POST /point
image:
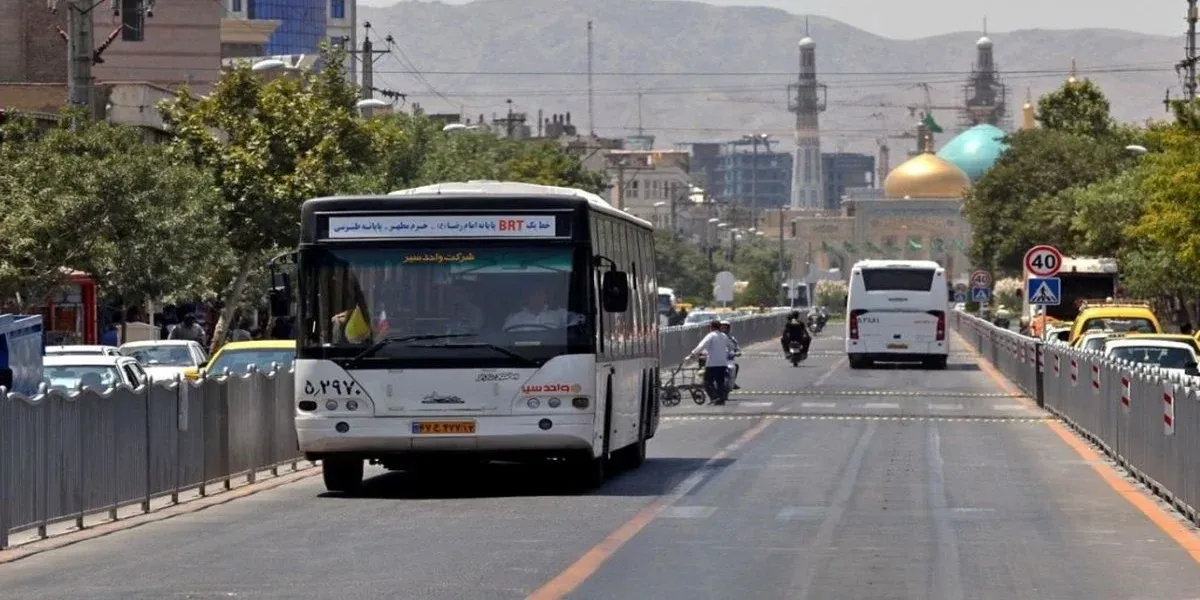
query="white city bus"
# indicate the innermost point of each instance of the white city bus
(475, 321)
(896, 312)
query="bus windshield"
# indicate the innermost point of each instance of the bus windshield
(461, 301)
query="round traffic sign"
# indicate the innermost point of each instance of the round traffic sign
(1043, 261)
(960, 287)
(981, 279)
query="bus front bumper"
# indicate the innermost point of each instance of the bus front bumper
(390, 435)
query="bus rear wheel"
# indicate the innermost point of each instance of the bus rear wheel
(342, 474)
(937, 364)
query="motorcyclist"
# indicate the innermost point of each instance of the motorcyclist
(734, 352)
(795, 330)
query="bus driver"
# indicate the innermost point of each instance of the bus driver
(536, 313)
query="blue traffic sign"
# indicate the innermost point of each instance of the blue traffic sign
(981, 294)
(1044, 291)
(960, 297)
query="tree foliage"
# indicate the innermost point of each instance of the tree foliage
(102, 201)
(1017, 203)
(1078, 107)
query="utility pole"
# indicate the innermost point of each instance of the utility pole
(1187, 66)
(369, 55)
(80, 55)
(590, 90)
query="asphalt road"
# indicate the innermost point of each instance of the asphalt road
(813, 482)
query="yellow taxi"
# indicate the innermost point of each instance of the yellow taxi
(1114, 315)
(238, 356)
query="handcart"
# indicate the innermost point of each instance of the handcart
(684, 379)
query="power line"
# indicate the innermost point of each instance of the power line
(1130, 69)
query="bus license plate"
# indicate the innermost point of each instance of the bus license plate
(897, 346)
(443, 427)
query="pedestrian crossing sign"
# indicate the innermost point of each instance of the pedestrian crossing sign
(1044, 291)
(979, 295)
(960, 297)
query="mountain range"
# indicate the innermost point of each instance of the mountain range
(710, 73)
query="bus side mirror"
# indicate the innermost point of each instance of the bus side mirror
(614, 291)
(1191, 368)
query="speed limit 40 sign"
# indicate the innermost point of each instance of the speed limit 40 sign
(981, 279)
(1043, 261)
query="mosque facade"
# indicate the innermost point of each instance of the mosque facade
(916, 214)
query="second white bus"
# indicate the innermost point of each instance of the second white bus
(896, 312)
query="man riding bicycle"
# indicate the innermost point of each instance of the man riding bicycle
(795, 330)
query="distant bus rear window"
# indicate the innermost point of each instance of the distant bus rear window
(898, 280)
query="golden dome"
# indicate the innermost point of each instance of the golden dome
(926, 176)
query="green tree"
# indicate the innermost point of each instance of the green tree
(1077, 107)
(682, 267)
(1016, 204)
(1104, 211)
(269, 145)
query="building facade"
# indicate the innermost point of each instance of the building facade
(180, 43)
(302, 23)
(753, 180)
(844, 170)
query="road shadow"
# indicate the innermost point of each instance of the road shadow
(657, 476)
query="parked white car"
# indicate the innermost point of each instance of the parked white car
(164, 360)
(82, 349)
(1177, 357)
(1093, 341)
(94, 371)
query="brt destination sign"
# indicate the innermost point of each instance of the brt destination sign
(433, 226)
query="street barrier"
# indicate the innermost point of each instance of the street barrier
(67, 456)
(1145, 418)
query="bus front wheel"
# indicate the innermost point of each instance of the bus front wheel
(342, 474)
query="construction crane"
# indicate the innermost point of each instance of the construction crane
(883, 166)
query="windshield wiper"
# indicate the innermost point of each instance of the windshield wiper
(377, 346)
(500, 349)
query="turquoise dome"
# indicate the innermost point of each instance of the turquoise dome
(975, 150)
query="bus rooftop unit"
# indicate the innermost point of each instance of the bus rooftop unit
(475, 321)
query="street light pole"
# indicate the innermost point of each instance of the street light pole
(783, 278)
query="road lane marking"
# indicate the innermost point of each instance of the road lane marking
(947, 581)
(1165, 521)
(881, 405)
(574, 575)
(808, 563)
(858, 417)
(935, 406)
(832, 369)
(757, 404)
(818, 404)
(687, 512)
(864, 393)
(1009, 407)
(801, 513)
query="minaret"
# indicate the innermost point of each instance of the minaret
(1071, 78)
(985, 93)
(1028, 119)
(807, 188)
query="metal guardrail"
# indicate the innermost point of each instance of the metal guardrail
(1144, 418)
(66, 456)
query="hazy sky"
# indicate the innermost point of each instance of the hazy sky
(920, 18)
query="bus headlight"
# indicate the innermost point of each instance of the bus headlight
(352, 405)
(533, 403)
(331, 405)
(554, 402)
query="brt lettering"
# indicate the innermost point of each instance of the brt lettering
(511, 225)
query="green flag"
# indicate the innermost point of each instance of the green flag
(873, 248)
(848, 247)
(938, 245)
(930, 124)
(826, 247)
(914, 244)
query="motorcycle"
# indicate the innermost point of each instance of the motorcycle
(796, 353)
(815, 325)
